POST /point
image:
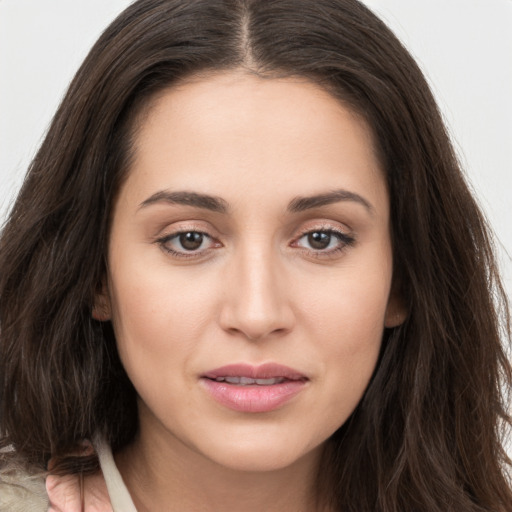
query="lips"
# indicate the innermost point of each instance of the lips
(253, 389)
(264, 371)
(247, 381)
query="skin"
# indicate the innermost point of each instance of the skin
(255, 291)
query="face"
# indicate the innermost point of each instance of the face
(249, 268)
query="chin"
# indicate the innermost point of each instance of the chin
(262, 455)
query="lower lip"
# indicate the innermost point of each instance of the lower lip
(253, 398)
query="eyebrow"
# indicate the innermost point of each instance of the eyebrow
(219, 205)
(300, 204)
(207, 202)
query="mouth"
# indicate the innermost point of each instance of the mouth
(247, 381)
(253, 389)
(246, 374)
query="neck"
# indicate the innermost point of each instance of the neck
(164, 474)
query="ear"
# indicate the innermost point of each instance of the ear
(101, 309)
(396, 312)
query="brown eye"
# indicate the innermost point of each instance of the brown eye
(187, 243)
(324, 242)
(191, 241)
(319, 240)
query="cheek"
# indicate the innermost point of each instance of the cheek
(351, 338)
(346, 320)
(151, 302)
(156, 330)
(157, 319)
(349, 307)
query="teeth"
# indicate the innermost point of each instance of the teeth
(269, 382)
(247, 381)
(233, 380)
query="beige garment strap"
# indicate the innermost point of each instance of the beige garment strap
(119, 495)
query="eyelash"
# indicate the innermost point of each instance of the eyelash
(183, 255)
(345, 241)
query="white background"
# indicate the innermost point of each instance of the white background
(464, 47)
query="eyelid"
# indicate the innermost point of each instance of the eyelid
(346, 237)
(193, 254)
(324, 225)
(176, 229)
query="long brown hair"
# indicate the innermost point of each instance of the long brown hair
(426, 435)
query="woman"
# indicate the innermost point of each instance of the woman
(245, 266)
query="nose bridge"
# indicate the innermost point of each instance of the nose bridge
(256, 303)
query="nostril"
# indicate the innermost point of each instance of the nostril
(255, 334)
(256, 305)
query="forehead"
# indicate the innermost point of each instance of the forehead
(234, 127)
(202, 97)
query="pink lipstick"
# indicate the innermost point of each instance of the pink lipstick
(248, 388)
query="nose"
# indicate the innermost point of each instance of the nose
(256, 304)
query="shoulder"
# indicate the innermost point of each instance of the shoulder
(22, 490)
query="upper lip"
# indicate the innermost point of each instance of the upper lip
(263, 371)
